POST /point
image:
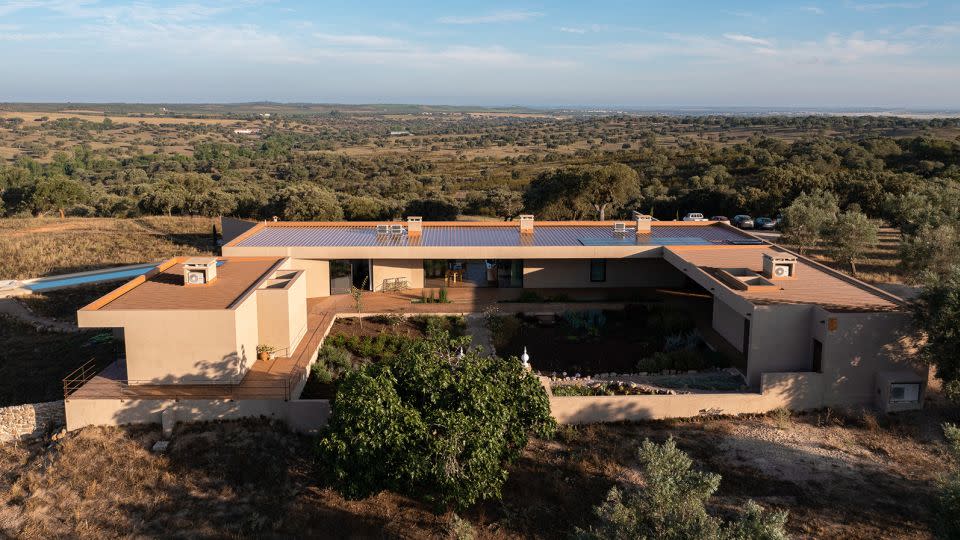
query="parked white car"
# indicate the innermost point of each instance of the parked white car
(694, 216)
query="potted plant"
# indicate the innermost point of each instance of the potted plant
(265, 352)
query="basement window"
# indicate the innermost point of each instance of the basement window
(598, 270)
(904, 392)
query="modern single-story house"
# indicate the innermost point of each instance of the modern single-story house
(191, 328)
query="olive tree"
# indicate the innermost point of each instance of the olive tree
(805, 220)
(671, 504)
(853, 233)
(432, 423)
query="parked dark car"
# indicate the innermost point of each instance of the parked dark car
(743, 221)
(723, 219)
(765, 223)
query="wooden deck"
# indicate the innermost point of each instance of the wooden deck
(282, 377)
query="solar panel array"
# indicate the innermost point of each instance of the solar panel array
(495, 236)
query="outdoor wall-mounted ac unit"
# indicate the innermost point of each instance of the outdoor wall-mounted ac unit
(199, 270)
(779, 267)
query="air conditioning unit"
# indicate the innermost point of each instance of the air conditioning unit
(779, 266)
(199, 270)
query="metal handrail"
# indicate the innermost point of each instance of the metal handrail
(78, 377)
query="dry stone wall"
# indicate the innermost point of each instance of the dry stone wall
(30, 420)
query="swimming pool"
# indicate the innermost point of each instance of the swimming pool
(109, 274)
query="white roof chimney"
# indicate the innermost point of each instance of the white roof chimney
(526, 224)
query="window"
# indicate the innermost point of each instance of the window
(598, 270)
(904, 392)
(817, 356)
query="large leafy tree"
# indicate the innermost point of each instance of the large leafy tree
(304, 201)
(672, 505)
(432, 423)
(805, 220)
(937, 314)
(575, 192)
(56, 193)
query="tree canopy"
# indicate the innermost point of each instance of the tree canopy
(432, 423)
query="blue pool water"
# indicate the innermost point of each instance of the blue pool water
(105, 275)
(115, 275)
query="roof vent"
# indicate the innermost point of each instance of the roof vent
(199, 270)
(780, 266)
(526, 224)
(414, 225)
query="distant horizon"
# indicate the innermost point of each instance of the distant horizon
(608, 54)
(543, 107)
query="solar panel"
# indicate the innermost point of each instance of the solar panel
(681, 241)
(607, 241)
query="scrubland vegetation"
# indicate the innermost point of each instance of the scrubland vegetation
(425, 441)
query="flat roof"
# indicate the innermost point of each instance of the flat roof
(813, 284)
(489, 234)
(163, 288)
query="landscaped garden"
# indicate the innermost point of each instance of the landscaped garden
(643, 338)
(354, 342)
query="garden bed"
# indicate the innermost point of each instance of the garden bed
(641, 338)
(351, 344)
(725, 380)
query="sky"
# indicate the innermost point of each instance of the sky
(837, 53)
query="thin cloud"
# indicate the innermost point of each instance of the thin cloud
(749, 40)
(359, 40)
(813, 9)
(879, 6)
(496, 17)
(571, 30)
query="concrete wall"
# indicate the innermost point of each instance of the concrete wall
(301, 415)
(169, 346)
(728, 322)
(410, 269)
(282, 312)
(231, 228)
(317, 274)
(795, 391)
(31, 420)
(780, 340)
(561, 273)
(862, 346)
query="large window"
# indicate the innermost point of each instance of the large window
(598, 270)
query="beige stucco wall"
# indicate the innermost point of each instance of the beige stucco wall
(728, 322)
(795, 391)
(863, 345)
(780, 340)
(317, 273)
(560, 273)
(169, 346)
(409, 269)
(282, 314)
(301, 415)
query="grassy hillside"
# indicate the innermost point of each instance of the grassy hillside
(35, 247)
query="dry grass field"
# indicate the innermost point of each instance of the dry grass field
(35, 247)
(840, 476)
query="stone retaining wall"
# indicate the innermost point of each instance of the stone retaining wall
(30, 420)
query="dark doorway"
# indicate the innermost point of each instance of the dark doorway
(817, 356)
(746, 339)
(347, 273)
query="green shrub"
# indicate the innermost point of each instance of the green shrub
(430, 425)
(671, 504)
(562, 390)
(948, 498)
(529, 297)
